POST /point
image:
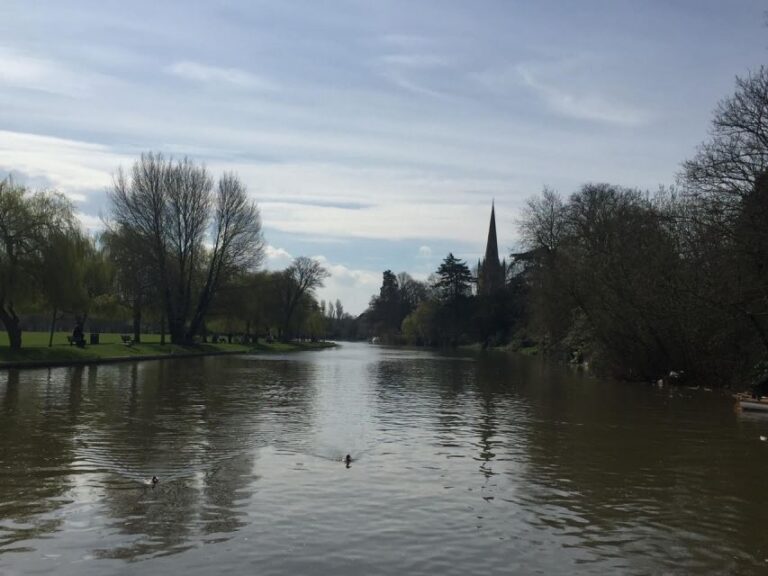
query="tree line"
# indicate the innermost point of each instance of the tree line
(444, 310)
(181, 252)
(640, 284)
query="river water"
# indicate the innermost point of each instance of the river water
(491, 464)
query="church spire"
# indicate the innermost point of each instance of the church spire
(492, 248)
(490, 272)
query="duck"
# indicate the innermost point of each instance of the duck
(348, 459)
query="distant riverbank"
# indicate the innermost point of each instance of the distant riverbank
(35, 353)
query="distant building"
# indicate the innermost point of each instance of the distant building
(491, 273)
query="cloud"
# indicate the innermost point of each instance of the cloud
(354, 287)
(205, 74)
(91, 223)
(580, 86)
(276, 258)
(413, 71)
(584, 106)
(425, 252)
(407, 41)
(414, 60)
(395, 220)
(72, 167)
(272, 252)
(21, 71)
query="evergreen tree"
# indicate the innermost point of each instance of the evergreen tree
(455, 279)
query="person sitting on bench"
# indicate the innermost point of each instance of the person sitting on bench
(77, 336)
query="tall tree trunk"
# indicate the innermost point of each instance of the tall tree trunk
(176, 329)
(759, 329)
(12, 326)
(53, 327)
(162, 328)
(137, 321)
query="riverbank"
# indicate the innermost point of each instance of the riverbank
(36, 353)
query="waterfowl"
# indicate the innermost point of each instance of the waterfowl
(348, 459)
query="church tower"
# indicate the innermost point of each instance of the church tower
(491, 272)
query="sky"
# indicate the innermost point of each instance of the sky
(374, 134)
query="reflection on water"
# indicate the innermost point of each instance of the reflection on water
(461, 464)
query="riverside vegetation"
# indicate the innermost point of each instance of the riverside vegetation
(639, 284)
(179, 257)
(112, 347)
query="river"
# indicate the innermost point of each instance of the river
(462, 464)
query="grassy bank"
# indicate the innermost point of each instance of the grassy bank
(36, 352)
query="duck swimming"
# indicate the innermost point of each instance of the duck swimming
(347, 460)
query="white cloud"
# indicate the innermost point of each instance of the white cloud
(575, 87)
(274, 253)
(276, 258)
(326, 202)
(90, 222)
(20, 70)
(396, 220)
(425, 252)
(413, 71)
(354, 287)
(72, 167)
(586, 105)
(203, 73)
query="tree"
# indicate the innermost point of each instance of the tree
(412, 292)
(194, 238)
(728, 166)
(622, 264)
(604, 273)
(238, 244)
(421, 327)
(135, 286)
(62, 275)
(542, 223)
(29, 223)
(454, 279)
(386, 308)
(301, 278)
(726, 184)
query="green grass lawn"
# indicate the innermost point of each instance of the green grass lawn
(35, 348)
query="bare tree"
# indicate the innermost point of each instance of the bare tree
(542, 224)
(728, 166)
(726, 184)
(135, 282)
(171, 209)
(299, 279)
(237, 242)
